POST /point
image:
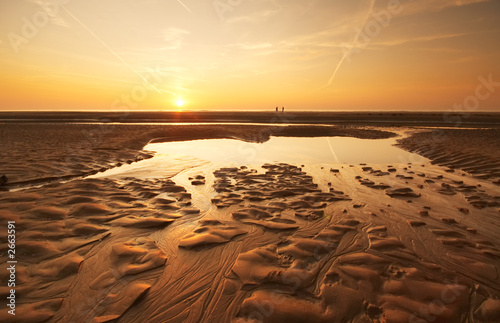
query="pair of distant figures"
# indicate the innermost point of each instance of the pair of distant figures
(282, 109)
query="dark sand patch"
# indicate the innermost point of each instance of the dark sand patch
(476, 151)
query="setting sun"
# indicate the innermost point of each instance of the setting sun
(179, 102)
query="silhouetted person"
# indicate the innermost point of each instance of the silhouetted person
(276, 109)
(282, 109)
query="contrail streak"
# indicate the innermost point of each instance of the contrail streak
(333, 152)
(184, 6)
(114, 53)
(348, 51)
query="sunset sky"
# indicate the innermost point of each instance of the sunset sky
(249, 54)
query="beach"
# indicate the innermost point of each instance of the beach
(108, 230)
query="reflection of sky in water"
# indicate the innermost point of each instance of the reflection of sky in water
(291, 150)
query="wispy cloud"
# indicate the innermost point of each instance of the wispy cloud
(59, 21)
(174, 38)
(421, 6)
(252, 46)
(254, 17)
(257, 11)
(420, 39)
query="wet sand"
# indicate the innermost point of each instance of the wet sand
(253, 243)
(44, 152)
(362, 118)
(476, 151)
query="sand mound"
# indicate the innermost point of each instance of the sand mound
(210, 232)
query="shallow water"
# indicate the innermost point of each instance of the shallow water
(173, 157)
(319, 150)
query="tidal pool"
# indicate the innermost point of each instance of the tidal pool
(317, 150)
(172, 158)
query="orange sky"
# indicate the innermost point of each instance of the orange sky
(250, 54)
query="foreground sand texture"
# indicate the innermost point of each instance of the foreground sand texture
(259, 243)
